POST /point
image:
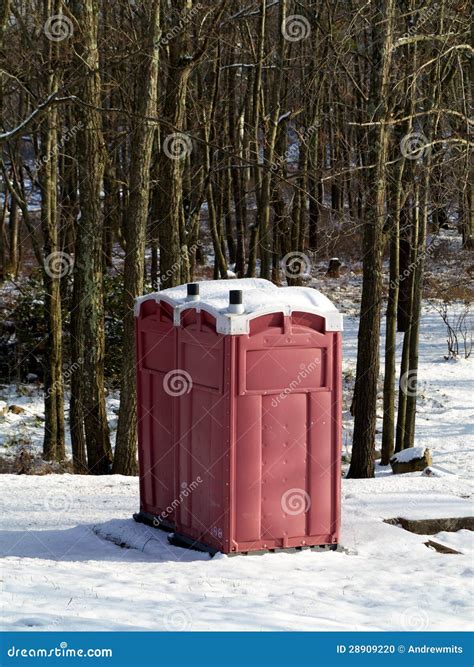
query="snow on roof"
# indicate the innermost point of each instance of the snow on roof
(209, 289)
(259, 297)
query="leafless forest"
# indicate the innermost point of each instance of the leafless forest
(147, 144)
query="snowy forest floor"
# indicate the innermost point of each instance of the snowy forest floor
(74, 559)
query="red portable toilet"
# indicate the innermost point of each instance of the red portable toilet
(247, 405)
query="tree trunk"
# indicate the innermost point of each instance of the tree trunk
(263, 212)
(412, 383)
(56, 264)
(88, 293)
(402, 397)
(125, 461)
(171, 212)
(236, 175)
(388, 430)
(255, 104)
(365, 392)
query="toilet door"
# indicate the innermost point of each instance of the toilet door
(284, 444)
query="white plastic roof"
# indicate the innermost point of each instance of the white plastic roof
(259, 296)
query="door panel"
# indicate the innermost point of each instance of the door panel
(284, 459)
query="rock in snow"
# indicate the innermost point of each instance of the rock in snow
(16, 409)
(412, 459)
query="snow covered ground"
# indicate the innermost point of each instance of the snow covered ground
(73, 558)
(61, 571)
(25, 429)
(445, 401)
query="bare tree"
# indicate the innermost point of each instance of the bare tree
(365, 392)
(87, 305)
(135, 228)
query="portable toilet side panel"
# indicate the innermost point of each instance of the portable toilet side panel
(202, 425)
(156, 361)
(287, 421)
(163, 383)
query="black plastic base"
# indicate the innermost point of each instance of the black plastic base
(288, 550)
(178, 540)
